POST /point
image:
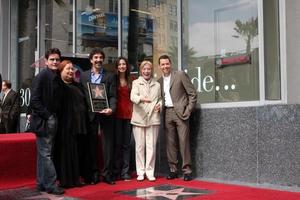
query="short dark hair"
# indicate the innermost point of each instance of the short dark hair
(7, 83)
(96, 51)
(52, 51)
(164, 57)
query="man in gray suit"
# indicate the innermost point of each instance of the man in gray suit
(180, 98)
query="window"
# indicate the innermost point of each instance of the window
(272, 55)
(173, 10)
(113, 6)
(140, 41)
(27, 51)
(97, 26)
(56, 23)
(220, 49)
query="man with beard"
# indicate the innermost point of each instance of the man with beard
(102, 119)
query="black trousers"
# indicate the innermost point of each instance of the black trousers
(123, 132)
(106, 124)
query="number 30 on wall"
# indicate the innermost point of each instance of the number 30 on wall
(25, 96)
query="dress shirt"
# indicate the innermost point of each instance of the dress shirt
(4, 95)
(168, 99)
(96, 78)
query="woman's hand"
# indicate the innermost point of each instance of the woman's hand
(145, 100)
(157, 108)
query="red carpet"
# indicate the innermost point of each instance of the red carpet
(217, 191)
(18, 164)
(156, 191)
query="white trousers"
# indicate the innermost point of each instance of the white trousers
(145, 143)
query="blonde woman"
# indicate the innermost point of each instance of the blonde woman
(146, 98)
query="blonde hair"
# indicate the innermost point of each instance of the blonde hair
(145, 62)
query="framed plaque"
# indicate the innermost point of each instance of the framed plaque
(98, 96)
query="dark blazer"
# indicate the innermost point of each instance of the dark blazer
(110, 81)
(45, 99)
(183, 94)
(10, 111)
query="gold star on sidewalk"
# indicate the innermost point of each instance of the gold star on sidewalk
(169, 194)
(45, 195)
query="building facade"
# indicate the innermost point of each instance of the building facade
(241, 55)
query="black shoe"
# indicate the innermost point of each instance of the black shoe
(80, 184)
(108, 180)
(172, 175)
(115, 177)
(187, 177)
(126, 177)
(40, 188)
(95, 179)
(56, 191)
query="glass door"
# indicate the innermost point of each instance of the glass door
(149, 29)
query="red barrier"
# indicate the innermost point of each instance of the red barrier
(17, 160)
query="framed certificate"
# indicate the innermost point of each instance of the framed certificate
(98, 96)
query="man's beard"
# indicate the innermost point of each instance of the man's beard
(98, 65)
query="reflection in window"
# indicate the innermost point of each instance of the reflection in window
(27, 42)
(220, 49)
(271, 45)
(97, 26)
(56, 23)
(147, 33)
(113, 6)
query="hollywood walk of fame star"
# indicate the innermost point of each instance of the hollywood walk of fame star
(44, 195)
(98, 92)
(169, 194)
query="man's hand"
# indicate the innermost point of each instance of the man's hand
(106, 111)
(52, 124)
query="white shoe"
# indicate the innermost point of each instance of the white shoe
(140, 178)
(151, 178)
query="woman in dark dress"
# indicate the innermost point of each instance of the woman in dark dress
(72, 129)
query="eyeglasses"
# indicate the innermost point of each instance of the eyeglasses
(54, 59)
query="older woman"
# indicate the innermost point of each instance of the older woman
(146, 98)
(72, 128)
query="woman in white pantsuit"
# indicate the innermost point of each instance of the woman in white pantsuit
(146, 98)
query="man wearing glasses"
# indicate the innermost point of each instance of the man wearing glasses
(45, 100)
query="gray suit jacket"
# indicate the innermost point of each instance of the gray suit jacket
(183, 94)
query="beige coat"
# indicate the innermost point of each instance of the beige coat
(143, 113)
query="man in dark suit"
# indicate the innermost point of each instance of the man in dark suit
(9, 109)
(180, 98)
(45, 104)
(102, 119)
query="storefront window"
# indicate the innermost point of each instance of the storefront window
(97, 26)
(27, 43)
(272, 47)
(220, 49)
(56, 26)
(146, 32)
